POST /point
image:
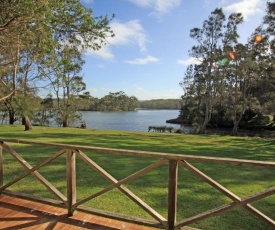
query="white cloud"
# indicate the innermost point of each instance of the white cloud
(105, 52)
(143, 61)
(158, 6)
(189, 61)
(246, 7)
(127, 33)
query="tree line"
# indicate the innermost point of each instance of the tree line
(117, 101)
(233, 84)
(160, 104)
(45, 110)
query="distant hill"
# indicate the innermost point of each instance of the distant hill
(160, 104)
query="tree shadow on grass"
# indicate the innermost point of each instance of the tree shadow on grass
(153, 186)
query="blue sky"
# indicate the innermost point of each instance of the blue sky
(149, 54)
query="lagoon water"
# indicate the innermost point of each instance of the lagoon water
(138, 120)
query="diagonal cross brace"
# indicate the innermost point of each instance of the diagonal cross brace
(223, 208)
(226, 192)
(32, 170)
(122, 188)
(125, 180)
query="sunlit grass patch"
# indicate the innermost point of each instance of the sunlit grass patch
(194, 195)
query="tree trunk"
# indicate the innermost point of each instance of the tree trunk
(207, 118)
(11, 112)
(65, 123)
(203, 127)
(28, 125)
(11, 119)
(235, 128)
(236, 121)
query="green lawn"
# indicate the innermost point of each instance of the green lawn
(194, 196)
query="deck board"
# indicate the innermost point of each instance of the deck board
(18, 213)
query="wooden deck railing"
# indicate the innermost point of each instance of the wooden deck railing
(173, 160)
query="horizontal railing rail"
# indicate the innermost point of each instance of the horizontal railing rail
(173, 161)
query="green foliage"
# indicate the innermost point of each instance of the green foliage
(42, 39)
(45, 111)
(232, 78)
(203, 86)
(160, 104)
(117, 101)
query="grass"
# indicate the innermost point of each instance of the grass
(194, 196)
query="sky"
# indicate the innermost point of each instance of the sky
(148, 56)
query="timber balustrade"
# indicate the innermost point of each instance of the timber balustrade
(173, 162)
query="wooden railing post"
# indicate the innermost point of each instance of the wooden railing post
(172, 194)
(71, 181)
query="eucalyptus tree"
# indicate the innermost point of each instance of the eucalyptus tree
(253, 80)
(261, 50)
(267, 58)
(75, 30)
(20, 26)
(242, 83)
(65, 82)
(41, 26)
(191, 112)
(22, 102)
(20, 40)
(21, 32)
(214, 40)
(45, 110)
(18, 78)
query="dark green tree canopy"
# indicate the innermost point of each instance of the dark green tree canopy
(234, 82)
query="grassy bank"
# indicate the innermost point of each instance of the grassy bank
(194, 196)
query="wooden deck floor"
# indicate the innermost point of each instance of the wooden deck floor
(17, 213)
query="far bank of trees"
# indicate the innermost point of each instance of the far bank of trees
(160, 104)
(234, 84)
(47, 110)
(117, 101)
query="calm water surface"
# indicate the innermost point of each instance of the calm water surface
(138, 120)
